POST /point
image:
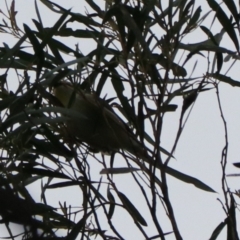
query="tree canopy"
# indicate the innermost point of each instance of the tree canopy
(139, 63)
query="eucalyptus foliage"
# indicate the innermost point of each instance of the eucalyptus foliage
(139, 64)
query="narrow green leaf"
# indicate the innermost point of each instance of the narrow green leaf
(58, 58)
(207, 45)
(166, 63)
(131, 24)
(79, 33)
(185, 11)
(38, 50)
(49, 5)
(131, 209)
(237, 165)
(38, 26)
(101, 82)
(225, 21)
(112, 203)
(217, 230)
(82, 60)
(188, 179)
(30, 180)
(119, 88)
(63, 184)
(118, 170)
(60, 46)
(232, 232)
(233, 9)
(45, 173)
(209, 34)
(195, 18)
(219, 57)
(34, 41)
(90, 80)
(73, 233)
(95, 7)
(113, 11)
(189, 100)
(84, 19)
(168, 108)
(38, 14)
(53, 30)
(55, 143)
(223, 78)
(11, 52)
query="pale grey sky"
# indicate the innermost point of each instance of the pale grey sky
(198, 153)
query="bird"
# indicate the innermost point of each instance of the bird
(98, 125)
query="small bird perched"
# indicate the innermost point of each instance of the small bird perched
(99, 126)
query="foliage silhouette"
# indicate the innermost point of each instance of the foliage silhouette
(136, 54)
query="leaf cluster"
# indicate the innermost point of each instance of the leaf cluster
(140, 55)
